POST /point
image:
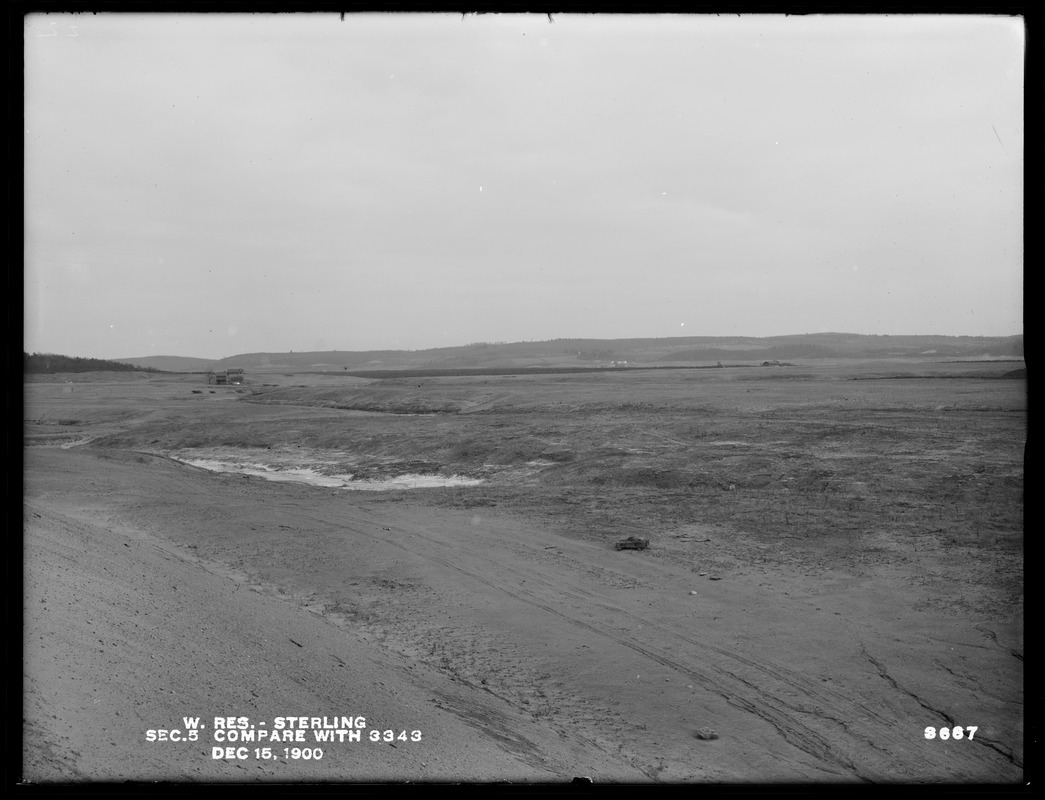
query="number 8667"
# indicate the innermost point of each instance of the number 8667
(957, 732)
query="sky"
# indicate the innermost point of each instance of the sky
(207, 185)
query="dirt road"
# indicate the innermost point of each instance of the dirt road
(156, 591)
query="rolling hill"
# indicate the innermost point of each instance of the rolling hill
(560, 353)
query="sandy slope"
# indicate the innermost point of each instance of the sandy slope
(123, 636)
(156, 591)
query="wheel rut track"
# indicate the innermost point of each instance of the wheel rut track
(794, 732)
(767, 707)
(839, 710)
(983, 740)
(861, 724)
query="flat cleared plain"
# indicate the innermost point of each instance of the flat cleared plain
(835, 564)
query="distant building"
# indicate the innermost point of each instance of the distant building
(225, 377)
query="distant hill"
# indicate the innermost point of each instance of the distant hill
(172, 363)
(840, 345)
(636, 352)
(49, 363)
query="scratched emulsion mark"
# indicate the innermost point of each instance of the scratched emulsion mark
(1004, 150)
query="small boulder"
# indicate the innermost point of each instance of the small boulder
(632, 543)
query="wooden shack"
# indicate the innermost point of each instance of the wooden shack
(226, 376)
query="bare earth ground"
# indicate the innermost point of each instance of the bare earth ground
(835, 565)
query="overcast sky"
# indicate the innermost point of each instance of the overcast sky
(208, 185)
